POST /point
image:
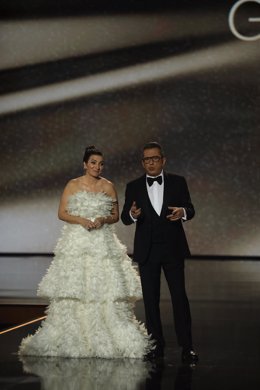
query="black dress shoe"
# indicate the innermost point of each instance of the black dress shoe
(189, 356)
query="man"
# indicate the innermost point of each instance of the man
(158, 202)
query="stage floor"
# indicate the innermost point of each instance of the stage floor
(226, 336)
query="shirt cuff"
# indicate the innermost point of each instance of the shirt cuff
(133, 219)
(185, 214)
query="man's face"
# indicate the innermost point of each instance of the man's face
(153, 162)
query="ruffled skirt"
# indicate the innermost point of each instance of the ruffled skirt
(92, 287)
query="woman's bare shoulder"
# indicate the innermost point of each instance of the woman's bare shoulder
(107, 186)
(73, 184)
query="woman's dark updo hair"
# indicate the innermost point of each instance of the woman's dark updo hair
(89, 151)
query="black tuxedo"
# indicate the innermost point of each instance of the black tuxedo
(161, 244)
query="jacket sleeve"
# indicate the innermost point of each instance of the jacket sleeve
(125, 216)
(187, 204)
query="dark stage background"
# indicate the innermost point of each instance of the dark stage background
(118, 76)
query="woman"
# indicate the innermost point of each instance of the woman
(91, 283)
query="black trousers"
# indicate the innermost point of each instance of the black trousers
(150, 274)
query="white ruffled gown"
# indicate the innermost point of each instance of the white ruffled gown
(92, 287)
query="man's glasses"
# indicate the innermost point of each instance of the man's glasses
(155, 159)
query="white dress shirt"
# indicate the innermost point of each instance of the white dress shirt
(155, 193)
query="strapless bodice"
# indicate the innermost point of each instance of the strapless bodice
(89, 205)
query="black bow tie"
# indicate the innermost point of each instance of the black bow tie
(151, 180)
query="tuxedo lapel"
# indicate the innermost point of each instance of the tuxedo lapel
(166, 199)
(144, 196)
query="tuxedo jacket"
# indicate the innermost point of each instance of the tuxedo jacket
(176, 194)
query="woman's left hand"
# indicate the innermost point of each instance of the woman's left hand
(99, 222)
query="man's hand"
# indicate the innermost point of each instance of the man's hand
(176, 213)
(135, 212)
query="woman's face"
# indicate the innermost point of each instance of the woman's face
(94, 165)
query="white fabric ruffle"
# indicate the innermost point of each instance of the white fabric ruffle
(91, 285)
